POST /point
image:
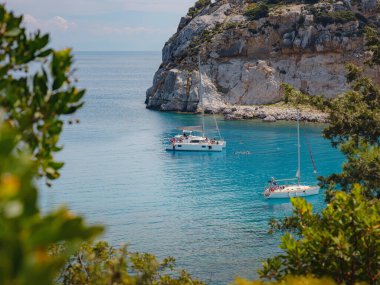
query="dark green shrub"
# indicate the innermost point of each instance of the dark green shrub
(255, 12)
(361, 18)
(198, 7)
(301, 20)
(342, 242)
(338, 17)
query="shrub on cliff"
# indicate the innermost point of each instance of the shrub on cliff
(257, 11)
(198, 7)
(373, 43)
(336, 17)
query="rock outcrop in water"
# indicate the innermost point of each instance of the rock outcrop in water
(245, 59)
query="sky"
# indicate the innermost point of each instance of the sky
(103, 25)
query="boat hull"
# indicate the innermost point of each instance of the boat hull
(195, 147)
(293, 191)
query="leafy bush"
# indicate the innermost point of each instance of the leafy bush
(372, 38)
(343, 242)
(337, 17)
(99, 264)
(198, 7)
(257, 11)
(289, 280)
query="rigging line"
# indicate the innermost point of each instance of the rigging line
(311, 156)
(310, 152)
(217, 126)
(201, 93)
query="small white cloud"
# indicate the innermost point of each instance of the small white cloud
(60, 23)
(57, 23)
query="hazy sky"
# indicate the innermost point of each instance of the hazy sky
(104, 24)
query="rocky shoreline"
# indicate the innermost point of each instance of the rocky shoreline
(272, 113)
(245, 60)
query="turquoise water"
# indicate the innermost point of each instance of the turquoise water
(205, 209)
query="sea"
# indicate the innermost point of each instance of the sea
(207, 210)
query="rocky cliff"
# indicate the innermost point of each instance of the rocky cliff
(248, 49)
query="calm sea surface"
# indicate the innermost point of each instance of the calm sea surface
(205, 209)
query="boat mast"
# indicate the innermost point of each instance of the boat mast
(201, 95)
(299, 148)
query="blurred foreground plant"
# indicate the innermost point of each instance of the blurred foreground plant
(25, 234)
(36, 89)
(99, 264)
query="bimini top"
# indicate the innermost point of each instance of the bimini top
(191, 128)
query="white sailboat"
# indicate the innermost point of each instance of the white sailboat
(275, 190)
(193, 138)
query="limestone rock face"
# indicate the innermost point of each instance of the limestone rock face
(244, 62)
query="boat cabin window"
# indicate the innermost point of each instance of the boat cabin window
(194, 141)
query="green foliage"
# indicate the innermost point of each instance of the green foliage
(373, 44)
(99, 264)
(257, 11)
(198, 7)
(362, 166)
(288, 280)
(336, 17)
(296, 98)
(35, 90)
(342, 243)
(355, 114)
(25, 234)
(354, 127)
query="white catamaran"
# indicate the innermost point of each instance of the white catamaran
(194, 138)
(275, 190)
